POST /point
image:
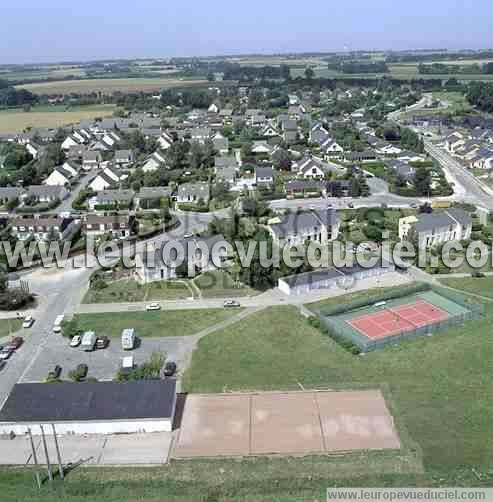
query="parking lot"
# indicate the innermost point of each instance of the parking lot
(103, 364)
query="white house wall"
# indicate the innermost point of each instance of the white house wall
(90, 427)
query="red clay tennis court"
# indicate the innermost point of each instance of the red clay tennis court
(400, 319)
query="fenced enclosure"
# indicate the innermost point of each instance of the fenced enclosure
(407, 313)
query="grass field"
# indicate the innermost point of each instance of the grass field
(220, 284)
(457, 101)
(480, 286)
(9, 326)
(108, 86)
(439, 384)
(154, 324)
(132, 291)
(12, 121)
(262, 480)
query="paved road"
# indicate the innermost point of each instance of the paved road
(467, 187)
(66, 205)
(60, 291)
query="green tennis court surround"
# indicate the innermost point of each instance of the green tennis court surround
(407, 313)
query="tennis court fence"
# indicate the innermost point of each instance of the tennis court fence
(334, 318)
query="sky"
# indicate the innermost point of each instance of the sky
(36, 31)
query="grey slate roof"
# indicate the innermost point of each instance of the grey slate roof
(45, 190)
(154, 192)
(10, 192)
(264, 172)
(109, 196)
(208, 241)
(67, 401)
(199, 190)
(295, 223)
(442, 219)
(225, 161)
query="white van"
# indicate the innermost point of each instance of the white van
(57, 325)
(128, 339)
(88, 341)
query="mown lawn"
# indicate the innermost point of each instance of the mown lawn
(9, 326)
(153, 324)
(481, 286)
(220, 284)
(261, 480)
(131, 291)
(441, 386)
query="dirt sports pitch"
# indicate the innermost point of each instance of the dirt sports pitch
(288, 423)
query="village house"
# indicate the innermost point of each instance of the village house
(165, 140)
(321, 226)
(454, 141)
(111, 199)
(45, 194)
(296, 189)
(264, 177)
(152, 197)
(429, 230)
(10, 194)
(91, 160)
(61, 176)
(154, 162)
(42, 229)
(193, 193)
(106, 179)
(118, 226)
(155, 268)
(226, 175)
(124, 158)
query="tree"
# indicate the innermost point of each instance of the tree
(309, 73)
(210, 77)
(422, 181)
(285, 72)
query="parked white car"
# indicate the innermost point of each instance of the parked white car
(153, 306)
(231, 303)
(76, 340)
(28, 322)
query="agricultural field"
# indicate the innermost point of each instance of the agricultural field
(43, 73)
(320, 72)
(12, 121)
(276, 61)
(108, 85)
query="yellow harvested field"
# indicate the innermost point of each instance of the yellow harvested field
(18, 121)
(108, 86)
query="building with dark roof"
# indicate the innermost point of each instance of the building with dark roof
(161, 263)
(342, 277)
(91, 407)
(297, 228)
(435, 228)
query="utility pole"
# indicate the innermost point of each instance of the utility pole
(60, 466)
(35, 459)
(48, 465)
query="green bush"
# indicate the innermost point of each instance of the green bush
(99, 284)
(76, 375)
(71, 328)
